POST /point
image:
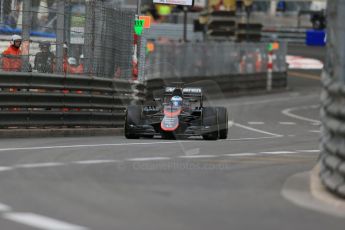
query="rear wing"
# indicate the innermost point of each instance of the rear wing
(186, 92)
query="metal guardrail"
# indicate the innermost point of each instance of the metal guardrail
(333, 133)
(51, 100)
(291, 35)
(42, 100)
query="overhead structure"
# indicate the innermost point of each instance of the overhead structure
(175, 2)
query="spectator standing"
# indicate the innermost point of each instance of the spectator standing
(135, 70)
(44, 60)
(281, 6)
(65, 58)
(248, 7)
(12, 56)
(81, 64)
(73, 67)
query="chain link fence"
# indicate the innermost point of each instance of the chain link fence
(89, 37)
(211, 59)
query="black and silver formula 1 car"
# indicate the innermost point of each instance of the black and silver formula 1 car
(180, 112)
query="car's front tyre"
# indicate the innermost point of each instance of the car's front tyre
(210, 119)
(133, 115)
(223, 122)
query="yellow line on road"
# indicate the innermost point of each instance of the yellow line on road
(305, 75)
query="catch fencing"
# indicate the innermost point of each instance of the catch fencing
(211, 59)
(218, 67)
(88, 37)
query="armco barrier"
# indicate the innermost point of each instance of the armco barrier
(40, 100)
(291, 35)
(227, 84)
(34, 100)
(333, 136)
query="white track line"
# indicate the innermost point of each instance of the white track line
(288, 98)
(92, 145)
(5, 168)
(197, 156)
(256, 123)
(287, 123)
(250, 138)
(278, 152)
(315, 131)
(260, 102)
(241, 154)
(40, 165)
(195, 151)
(288, 112)
(5, 208)
(41, 222)
(316, 124)
(89, 162)
(309, 151)
(148, 159)
(139, 143)
(257, 130)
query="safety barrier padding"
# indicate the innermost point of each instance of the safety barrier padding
(333, 136)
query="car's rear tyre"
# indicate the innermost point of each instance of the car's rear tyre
(133, 115)
(168, 135)
(223, 122)
(210, 119)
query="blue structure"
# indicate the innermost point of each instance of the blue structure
(9, 31)
(316, 38)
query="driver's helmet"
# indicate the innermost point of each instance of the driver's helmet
(176, 101)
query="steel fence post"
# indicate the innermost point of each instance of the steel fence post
(273, 7)
(99, 40)
(2, 12)
(67, 21)
(335, 64)
(89, 30)
(142, 59)
(26, 26)
(60, 36)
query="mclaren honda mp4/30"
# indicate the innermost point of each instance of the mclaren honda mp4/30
(179, 113)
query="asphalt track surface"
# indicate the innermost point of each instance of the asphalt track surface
(108, 183)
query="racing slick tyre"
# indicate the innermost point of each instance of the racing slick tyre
(223, 122)
(133, 114)
(210, 118)
(168, 135)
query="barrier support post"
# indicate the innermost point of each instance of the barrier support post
(269, 70)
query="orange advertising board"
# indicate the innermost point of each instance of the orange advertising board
(147, 21)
